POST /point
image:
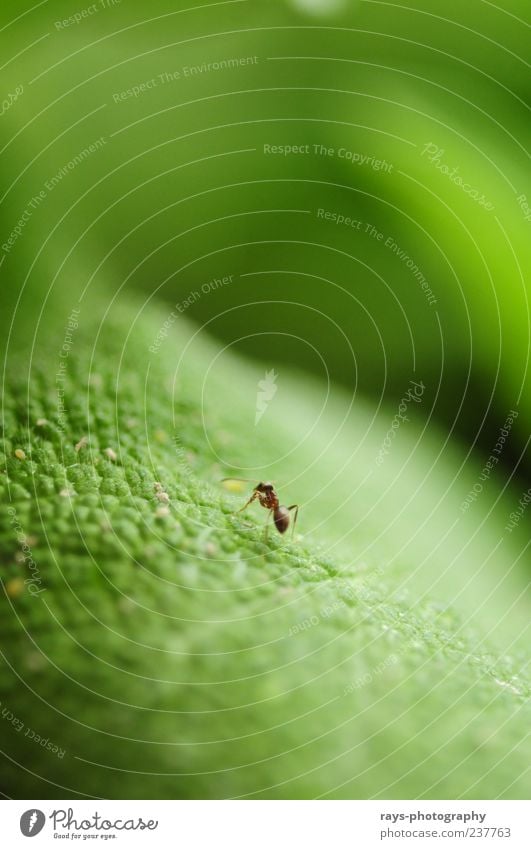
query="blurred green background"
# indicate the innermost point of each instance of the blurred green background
(337, 190)
(181, 191)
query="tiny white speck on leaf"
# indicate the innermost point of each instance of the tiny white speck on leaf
(508, 686)
(111, 454)
(160, 493)
(20, 454)
(81, 444)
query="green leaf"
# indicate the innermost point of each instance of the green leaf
(166, 649)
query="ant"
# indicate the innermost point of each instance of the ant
(268, 498)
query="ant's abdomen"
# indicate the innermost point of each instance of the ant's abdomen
(281, 519)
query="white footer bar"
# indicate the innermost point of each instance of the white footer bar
(267, 824)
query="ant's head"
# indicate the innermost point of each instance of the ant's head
(264, 487)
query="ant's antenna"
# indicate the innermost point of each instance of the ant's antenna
(243, 480)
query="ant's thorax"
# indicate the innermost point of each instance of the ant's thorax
(269, 500)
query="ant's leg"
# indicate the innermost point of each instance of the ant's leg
(296, 508)
(266, 526)
(252, 498)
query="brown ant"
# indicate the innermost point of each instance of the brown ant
(268, 498)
